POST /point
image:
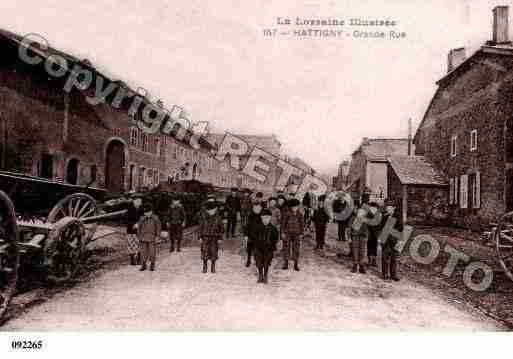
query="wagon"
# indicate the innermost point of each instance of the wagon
(502, 234)
(51, 241)
(47, 231)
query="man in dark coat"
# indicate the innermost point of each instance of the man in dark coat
(252, 229)
(175, 221)
(134, 213)
(265, 245)
(372, 241)
(210, 233)
(389, 255)
(320, 220)
(245, 207)
(292, 231)
(232, 207)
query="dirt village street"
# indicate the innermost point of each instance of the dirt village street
(324, 295)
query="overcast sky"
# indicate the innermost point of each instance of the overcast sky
(319, 96)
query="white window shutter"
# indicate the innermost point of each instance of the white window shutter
(464, 191)
(477, 198)
(451, 190)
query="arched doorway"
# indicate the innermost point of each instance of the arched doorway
(114, 167)
(72, 171)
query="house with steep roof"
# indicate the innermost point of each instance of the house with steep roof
(368, 168)
(467, 129)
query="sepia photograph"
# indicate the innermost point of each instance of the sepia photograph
(280, 167)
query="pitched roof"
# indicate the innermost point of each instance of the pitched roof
(485, 50)
(378, 149)
(268, 143)
(416, 170)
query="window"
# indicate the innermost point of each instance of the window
(72, 171)
(156, 177)
(133, 136)
(451, 191)
(175, 151)
(464, 191)
(144, 144)
(46, 170)
(131, 179)
(473, 140)
(475, 190)
(157, 146)
(454, 147)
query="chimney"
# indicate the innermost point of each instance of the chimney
(455, 58)
(500, 25)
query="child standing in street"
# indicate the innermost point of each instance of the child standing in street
(359, 234)
(320, 220)
(133, 214)
(148, 230)
(211, 230)
(292, 232)
(265, 245)
(175, 218)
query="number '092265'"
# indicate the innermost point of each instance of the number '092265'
(27, 344)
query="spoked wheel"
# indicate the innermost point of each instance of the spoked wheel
(9, 252)
(64, 248)
(504, 243)
(77, 205)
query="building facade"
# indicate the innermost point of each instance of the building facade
(231, 177)
(368, 168)
(59, 135)
(467, 130)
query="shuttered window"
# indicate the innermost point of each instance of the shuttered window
(464, 191)
(477, 191)
(451, 190)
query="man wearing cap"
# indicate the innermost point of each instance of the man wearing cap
(175, 220)
(148, 230)
(252, 229)
(292, 230)
(210, 233)
(133, 214)
(265, 245)
(389, 255)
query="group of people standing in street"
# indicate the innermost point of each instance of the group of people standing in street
(263, 223)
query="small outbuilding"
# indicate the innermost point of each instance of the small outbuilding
(419, 189)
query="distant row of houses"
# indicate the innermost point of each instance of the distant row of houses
(458, 168)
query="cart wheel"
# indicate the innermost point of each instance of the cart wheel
(504, 243)
(63, 250)
(78, 205)
(9, 252)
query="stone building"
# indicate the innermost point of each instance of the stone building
(368, 168)
(230, 177)
(60, 135)
(340, 180)
(467, 129)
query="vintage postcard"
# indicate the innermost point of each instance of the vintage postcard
(199, 166)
